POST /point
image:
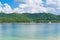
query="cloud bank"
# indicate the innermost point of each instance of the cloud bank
(32, 6)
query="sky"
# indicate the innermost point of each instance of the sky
(30, 6)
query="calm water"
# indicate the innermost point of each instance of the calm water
(18, 31)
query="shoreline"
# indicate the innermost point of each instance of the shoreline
(30, 23)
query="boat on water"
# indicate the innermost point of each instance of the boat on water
(49, 22)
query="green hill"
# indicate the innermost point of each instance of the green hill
(29, 17)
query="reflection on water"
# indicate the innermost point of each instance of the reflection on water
(18, 31)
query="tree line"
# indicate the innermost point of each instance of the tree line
(29, 17)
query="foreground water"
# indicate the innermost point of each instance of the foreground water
(18, 31)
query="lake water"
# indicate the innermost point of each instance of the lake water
(20, 31)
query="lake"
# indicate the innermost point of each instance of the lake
(32, 31)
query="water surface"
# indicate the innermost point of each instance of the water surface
(20, 31)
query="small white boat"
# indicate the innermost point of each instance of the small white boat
(49, 22)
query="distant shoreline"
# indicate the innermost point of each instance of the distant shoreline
(25, 23)
(29, 18)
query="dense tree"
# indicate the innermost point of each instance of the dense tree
(29, 17)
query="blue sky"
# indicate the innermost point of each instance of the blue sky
(30, 6)
(10, 2)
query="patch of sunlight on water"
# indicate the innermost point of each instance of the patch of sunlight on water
(32, 30)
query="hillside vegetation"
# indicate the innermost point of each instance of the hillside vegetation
(29, 17)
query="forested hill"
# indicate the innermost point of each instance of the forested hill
(29, 17)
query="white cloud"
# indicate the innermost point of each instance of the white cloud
(7, 8)
(23, 5)
(32, 6)
(17, 10)
(0, 6)
(51, 10)
(58, 4)
(35, 6)
(53, 3)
